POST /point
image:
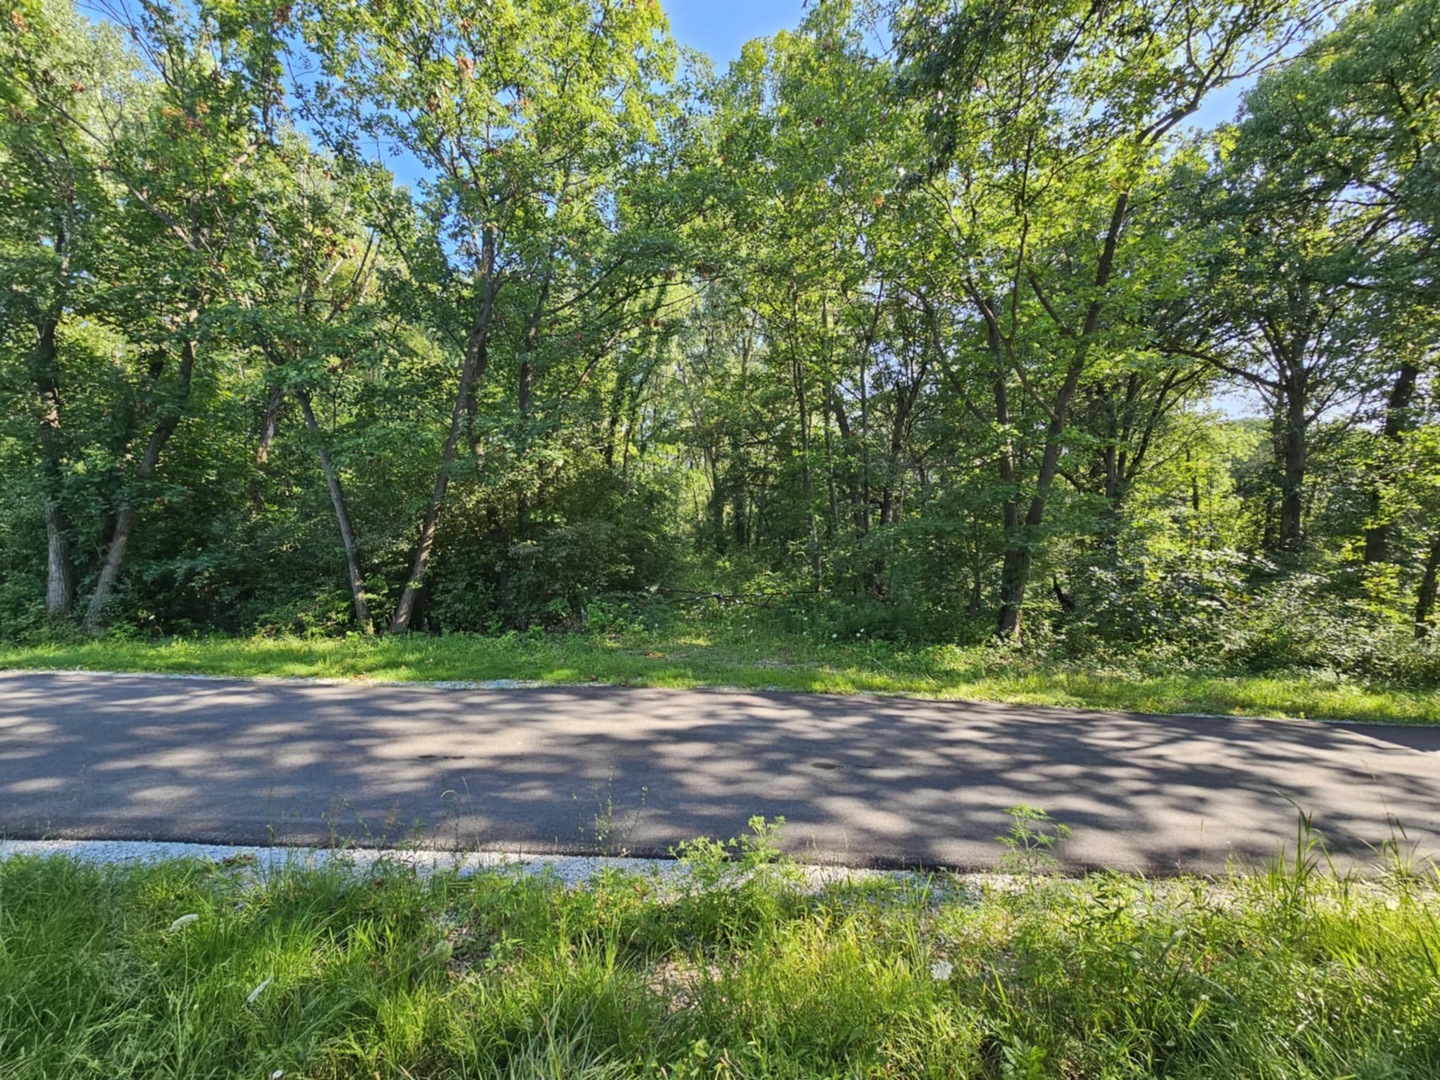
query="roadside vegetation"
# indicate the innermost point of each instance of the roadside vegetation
(738, 968)
(340, 318)
(764, 661)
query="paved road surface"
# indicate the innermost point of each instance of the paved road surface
(866, 781)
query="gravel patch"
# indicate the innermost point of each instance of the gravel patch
(568, 869)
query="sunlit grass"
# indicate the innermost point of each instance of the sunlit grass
(189, 969)
(692, 659)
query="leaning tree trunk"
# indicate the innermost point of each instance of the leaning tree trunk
(94, 620)
(471, 369)
(342, 517)
(1015, 569)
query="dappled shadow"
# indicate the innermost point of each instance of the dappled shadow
(859, 779)
(1413, 737)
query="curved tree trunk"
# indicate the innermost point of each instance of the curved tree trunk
(94, 621)
(471, 369)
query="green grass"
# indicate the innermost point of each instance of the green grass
(682, 660)
(739, 972)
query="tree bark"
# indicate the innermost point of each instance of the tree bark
(1293, 453)
(94, 621)
(59, 571)
(1425, 597)
(471, 369)
(1014, 574)
(342, 517)
(1015, 567)
(269, 425)
(1398, 420)
(807, 477)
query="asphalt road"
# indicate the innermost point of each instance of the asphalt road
(860, 780)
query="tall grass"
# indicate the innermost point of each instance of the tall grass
(740, 971)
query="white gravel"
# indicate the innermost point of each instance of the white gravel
(569, 869)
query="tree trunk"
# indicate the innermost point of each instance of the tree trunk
(617, 405)
(471, 369)
(850, 475)
(807, 477)
(737, 488)
(1425, 598)
(59, 571)
(342, 517)
(169, 420)
(1398, 420)
(1015, 568)
(1293, 454)
(1014, 578)
(832, 497)
(1020, 536)
(906, 395)
(269, 425)
(1013, 572)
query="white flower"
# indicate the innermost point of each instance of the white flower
(941, 970)
(257, 992)
(277, 1074)
(182, 922)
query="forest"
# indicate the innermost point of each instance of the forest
(927, 321)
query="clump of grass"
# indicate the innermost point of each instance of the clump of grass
(775, 662)
(739, 970)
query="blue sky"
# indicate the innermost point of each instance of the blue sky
(719, 27)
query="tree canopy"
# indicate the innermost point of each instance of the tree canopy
(942, 320)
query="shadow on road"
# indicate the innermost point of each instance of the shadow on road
(859, 779)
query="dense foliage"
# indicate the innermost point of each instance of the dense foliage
(926, 320)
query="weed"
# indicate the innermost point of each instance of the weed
(606, 835)
(1030, 842)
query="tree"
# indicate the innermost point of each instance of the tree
(54, 208)
(516, 117)
(1049, 123)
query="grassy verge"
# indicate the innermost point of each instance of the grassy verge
(190, 969)
(785, 664)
